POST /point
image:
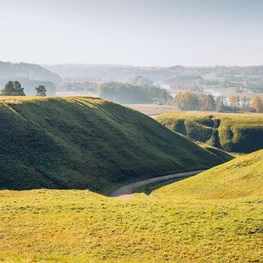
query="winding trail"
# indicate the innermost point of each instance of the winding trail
(125, 192)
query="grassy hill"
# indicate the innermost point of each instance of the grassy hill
(87, 143)
(212, 217)
(239, 178)
(242, 133)
(218, 152)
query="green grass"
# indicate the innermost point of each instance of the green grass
(241, 133)
(218, 152)
(149, 188)
(215, 216)
(79, 226)
(239, 178)
(82, 143)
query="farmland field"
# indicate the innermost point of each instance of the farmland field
(151, 109)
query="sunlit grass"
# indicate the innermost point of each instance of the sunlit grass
(239, 178)
(79, 226)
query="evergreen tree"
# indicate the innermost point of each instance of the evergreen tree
(41, 91)
(12, 88)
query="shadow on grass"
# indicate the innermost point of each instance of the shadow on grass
(147, 189)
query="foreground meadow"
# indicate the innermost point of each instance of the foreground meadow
(80, 226)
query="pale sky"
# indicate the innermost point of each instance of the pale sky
(132, 32)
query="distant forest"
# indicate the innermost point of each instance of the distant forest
(130, 94)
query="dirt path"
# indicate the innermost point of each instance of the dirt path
(125, 192)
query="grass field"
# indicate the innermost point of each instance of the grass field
(82, 143)
(241, 133)
(239, 178)
(216, 216)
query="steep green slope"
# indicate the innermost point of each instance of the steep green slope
(87, 143)
(241, 133)
(239, 178)
(220, 153)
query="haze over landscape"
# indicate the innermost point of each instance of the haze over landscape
(131, 131)
(140, 33)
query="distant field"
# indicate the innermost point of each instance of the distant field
(151, 109)
(87, 143)
(76, 93)
(241, 133)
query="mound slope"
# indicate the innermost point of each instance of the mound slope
(87, 143)
(239, 178)
(241, 133)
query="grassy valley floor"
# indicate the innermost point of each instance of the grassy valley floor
(80, 226)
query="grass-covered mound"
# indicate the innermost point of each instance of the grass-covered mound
(87, 143)
(239, 178)
(242, 133)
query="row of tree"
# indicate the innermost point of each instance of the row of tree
(188, 101)
(191, 101)
(129, 93)
(14, 88)
(245, 102)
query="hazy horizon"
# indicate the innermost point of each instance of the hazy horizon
(150, 33)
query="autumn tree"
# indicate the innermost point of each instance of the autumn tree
(208, 103)
(257, 104)
(234, 101)
(187, 101)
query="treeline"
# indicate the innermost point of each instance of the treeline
(30, 85)
(14, 88)
(81, 86)
(188, 101)
(128, 93)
